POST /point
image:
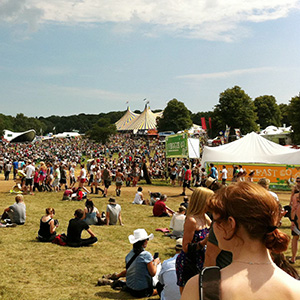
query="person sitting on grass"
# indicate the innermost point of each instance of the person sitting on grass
(139, 197)
(160, 209)
(16, 213)
(91, 214)
(185, 202)
(75, 228)
(141, 267)
(113, 213)
(167, 287)
(48, 226)
(177, 222)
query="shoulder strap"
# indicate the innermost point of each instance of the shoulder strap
(132, 259)
(209, 280)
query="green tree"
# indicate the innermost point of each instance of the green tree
(268, 111)
(293, 116)
(175, 117)
(102, 130)
(284, 109)
(235, 109)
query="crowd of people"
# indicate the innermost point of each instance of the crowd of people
(233, 226)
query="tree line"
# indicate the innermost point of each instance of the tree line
(235, 109)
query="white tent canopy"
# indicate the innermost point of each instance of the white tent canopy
(252, 148)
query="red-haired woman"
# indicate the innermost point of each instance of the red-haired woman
(245, 217)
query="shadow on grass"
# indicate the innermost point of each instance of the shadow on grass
(119, 295)
(113, 295)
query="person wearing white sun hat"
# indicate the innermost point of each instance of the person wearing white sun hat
(141, 267)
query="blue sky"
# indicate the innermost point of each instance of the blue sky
(64, 57)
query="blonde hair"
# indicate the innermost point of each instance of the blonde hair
(198, 201)
(19, 198)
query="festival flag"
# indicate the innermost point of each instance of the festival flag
(226, 134)
(209, 121)
(203, 123)
(237, 133)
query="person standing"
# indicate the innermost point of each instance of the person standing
(91, 172)
(29, 171)
(224, 175)
(72, 174)
(187, 177)
(119, 181)
(15, 168)
(7, 169)
(213, 171)
(56, 178)
(295, 204)
(195, 236)
(82, 176)
(106, 176)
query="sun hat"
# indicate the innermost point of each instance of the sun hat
(140, 235)
(209, 181)
(178, 244)
(181, 208)
(264, 181)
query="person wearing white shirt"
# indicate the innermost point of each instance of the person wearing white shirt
(29, 171)
(167, 276)
(177, 222)
(224, 175)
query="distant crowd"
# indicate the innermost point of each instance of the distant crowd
(232, 227)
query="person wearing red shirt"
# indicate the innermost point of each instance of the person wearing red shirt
(160, 209)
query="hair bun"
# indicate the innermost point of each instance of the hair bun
(276, 240)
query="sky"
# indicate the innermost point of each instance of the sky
(65, 57)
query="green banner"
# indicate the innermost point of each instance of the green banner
(177, 145)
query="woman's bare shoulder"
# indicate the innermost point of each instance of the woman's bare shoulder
(191, 289)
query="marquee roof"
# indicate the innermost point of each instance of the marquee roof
(146, 120)
(252, 148)
(126, 119)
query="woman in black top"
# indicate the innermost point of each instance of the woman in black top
(48, 226)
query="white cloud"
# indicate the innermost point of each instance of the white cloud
(227, 74)
(206, 19)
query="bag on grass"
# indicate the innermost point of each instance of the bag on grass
(60, 239)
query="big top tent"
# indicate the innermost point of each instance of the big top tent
(128, 118)
(145, 121)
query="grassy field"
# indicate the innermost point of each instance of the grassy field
(34, 270)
